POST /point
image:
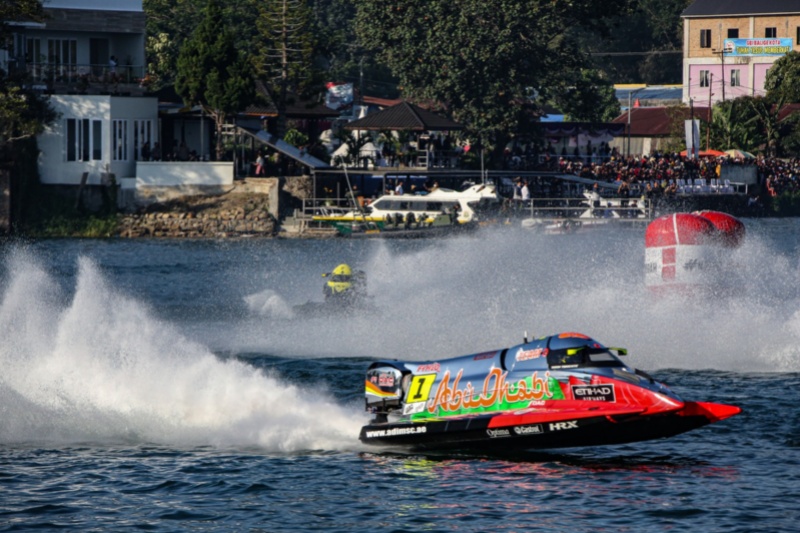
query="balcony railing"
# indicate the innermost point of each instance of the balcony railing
(88, 77)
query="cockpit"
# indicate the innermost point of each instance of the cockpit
(584, 356)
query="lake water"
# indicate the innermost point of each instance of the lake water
(168, 386)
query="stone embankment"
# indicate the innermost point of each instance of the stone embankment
(232, 215)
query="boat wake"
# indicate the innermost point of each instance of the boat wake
(97, 366)
(463, 295)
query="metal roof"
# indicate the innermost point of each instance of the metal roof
(404, 116)
(730, 8)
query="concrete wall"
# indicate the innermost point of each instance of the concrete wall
(159, 181)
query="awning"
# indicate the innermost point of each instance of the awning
(286, 149)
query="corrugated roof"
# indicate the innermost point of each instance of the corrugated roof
(730, 8)
(404, 116)
(655, 121)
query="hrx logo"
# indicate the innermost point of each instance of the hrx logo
(558, 426)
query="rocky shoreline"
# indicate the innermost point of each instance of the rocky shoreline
(234, 215)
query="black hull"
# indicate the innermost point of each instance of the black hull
(476, 433)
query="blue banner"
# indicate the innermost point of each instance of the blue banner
(758, 47)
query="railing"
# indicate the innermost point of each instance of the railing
(81, 77)
(618, 208)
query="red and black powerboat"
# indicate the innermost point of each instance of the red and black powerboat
(563, 390)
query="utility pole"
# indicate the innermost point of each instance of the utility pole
(708, 123)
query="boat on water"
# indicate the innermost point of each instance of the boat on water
(563, 226)
(345, 291)
(591, 213)
(564, 390)
(437, 212)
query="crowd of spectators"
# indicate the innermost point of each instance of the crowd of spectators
(779, 175)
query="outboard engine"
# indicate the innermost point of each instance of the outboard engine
(383, 388)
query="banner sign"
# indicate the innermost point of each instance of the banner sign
(758, 47)
(692, 138)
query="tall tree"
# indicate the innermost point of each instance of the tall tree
(284, 58)
(783, 80)
(482, 61)
(212, 73)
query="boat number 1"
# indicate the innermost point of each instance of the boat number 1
(420, 388)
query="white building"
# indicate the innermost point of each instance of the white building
(89, 56)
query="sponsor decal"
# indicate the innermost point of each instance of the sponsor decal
(396, 432)
(432, 367)
(386, 380)
(498, 433)
(527, 355)
(599, 393)
(420, 388)
(560, 426)
(495, 391)
(482, 356)
(413, 408)
(529, 430)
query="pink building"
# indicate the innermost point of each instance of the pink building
(729, 45)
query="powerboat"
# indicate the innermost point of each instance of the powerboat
(563, 390)
(416, 211)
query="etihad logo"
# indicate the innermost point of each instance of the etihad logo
(598, 393)
(560, 426)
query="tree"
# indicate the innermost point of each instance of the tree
(783, 80)
(211, 72)
(482, 62)
(284, 59)
(587, 96)
(733, 126)
(23, 113)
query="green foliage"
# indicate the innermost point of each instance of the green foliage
(296, 138)
(482, 59)
(587, 96)
(786, 204)
(283, 60)
(789, 136)
(16, 11)
(212, 73)
(23, 113)
(783, 80)
(734, 124)
(645, 44)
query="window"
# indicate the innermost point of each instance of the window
(142, 134)
(62, 57)
(705, 78)
(735, 80)
(119, 140)
(733, 33)
(33, 57)
(705, 38)
(770, 33)
(84, 139)
(797, 41)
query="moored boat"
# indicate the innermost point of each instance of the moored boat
(439, 207)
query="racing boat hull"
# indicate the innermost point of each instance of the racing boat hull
(563, 430)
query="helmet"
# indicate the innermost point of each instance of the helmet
(339, 281)
(342, 270)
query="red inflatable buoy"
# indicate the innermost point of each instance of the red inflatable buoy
(731, 229)
(687, 251)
